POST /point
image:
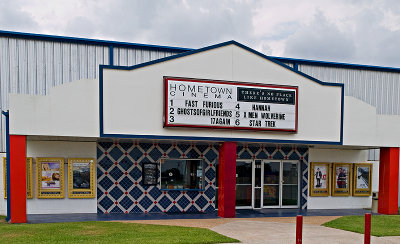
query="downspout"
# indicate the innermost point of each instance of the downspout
(111, 55)
(6, 114)
(296, 66)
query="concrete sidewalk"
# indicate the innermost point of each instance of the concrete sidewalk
(248, 231)
(274, 229)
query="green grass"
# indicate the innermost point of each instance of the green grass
(106, 232)
(381, 225)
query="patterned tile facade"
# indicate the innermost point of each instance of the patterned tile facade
(119, 175)
(119, 178)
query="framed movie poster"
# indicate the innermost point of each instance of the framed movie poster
(341, 180)
(320, 179)
(149, 174)
(362, 180)
(29, 178)
(50, 177)
(81, 178)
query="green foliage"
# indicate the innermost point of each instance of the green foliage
(381, 225)
(106, 232)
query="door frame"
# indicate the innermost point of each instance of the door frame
(281, 183)
(251, 161)
(263, 161)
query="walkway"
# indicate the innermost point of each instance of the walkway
(262, 213)
(248, 231)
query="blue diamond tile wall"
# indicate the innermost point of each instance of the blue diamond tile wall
(119, 175)
(281, 153)
(119, 178)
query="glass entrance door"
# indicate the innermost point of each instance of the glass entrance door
(257, 184)
(280, 184)
(244, 183)
(271, 196)
(267, 184)
(290, 184)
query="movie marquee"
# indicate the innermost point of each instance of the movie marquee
(229, 105)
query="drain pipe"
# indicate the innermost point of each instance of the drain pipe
(6, 114)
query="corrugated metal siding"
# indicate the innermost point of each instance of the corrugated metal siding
(130, 57)
(289, 64)
(379, 89)
(34, 66)
(373, 154)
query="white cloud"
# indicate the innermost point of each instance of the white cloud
(320, 39)
(366, 36)
(344, 30)
(13, 18)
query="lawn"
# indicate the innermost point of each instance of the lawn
(106, 232)
(381, 225)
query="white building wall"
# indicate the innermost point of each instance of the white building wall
(342, 156)
(69, 110)
(65, 149)
(141, 90)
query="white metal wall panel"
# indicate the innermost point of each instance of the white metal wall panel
(377, 88)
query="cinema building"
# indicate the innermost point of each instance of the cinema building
(107, 127)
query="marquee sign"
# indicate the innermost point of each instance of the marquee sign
(229, 105)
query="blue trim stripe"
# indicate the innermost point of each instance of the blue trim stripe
(102, 67)
(6, 114)
(342, 116)
(101, 103)
(218, 139)
(337, 64)
(91, 41)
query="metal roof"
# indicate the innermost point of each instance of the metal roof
(90, 41)
(182, 49)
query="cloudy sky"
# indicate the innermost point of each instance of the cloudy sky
(353, 31)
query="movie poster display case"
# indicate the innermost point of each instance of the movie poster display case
(29, 178)
(50, 177)
(341, 180)
(81, 178)
(362, 179)
(320, 175)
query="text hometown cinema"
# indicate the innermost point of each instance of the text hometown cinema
(230, 105)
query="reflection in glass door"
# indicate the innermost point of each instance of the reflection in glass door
(290, 181)
(280, 184)
(244, 179)
(271, 184)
